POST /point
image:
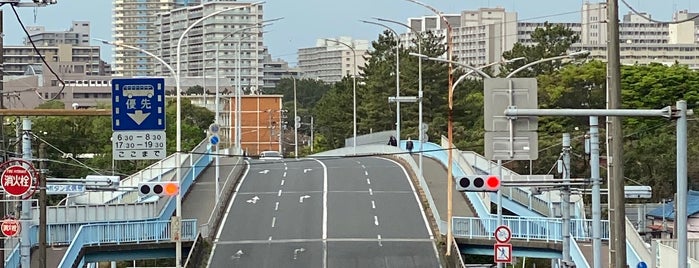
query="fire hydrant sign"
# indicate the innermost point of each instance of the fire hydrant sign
(16, 180)
(10, 227)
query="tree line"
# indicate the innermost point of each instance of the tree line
(649, 154)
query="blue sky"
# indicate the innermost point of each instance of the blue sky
(306, 20)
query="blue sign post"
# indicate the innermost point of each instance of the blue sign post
(138, 118)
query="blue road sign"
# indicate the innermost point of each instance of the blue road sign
(138, 104)
(642, 265)
(214, 139)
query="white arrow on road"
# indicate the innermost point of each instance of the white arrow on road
(237, 254)
(264, 171)
(301, 198)
(139, 116)
(307, 170)
(297, 251)
(253, 200)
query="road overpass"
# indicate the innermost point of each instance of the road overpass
(325, 212)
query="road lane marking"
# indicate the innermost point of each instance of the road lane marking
(366, 173)
(371, 192)
(325, 212)
(379, 239)
(285, 167)
(284, 241)
(276, 206)
(284, 175)
(376, 220)
(228, 210)
(280, 192)
(419, 203)
(274, 220)
(270, 238)
(282, 182)
(368, 181)
(373, 204)
(363, 166)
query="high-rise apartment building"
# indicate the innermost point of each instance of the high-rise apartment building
(329, 61)
(276, 69)
(237, 46)
(133, 24)
(77, 35)
(481, 36)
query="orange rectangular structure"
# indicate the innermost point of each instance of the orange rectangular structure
(262, 123)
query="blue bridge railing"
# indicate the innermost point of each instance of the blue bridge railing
(64, 233)
(524, 228)
(124, 233)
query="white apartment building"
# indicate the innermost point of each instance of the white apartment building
(483, 35)
(198, 50)
(133, 24)
(77, 35)
(329, 60)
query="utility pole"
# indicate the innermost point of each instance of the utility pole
(617, 218)
(565, 201)
(42, 206)
(312, 140)
(2, 132)
(26, 214)
(596, 200)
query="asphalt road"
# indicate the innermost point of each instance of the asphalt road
(349, 212)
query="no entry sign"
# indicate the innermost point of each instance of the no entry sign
(10, 227)
(16, 180)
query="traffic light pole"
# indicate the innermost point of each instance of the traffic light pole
(679, 113)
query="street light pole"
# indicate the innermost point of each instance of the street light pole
(570, 55)
(119, 44)
(450, 125)
(354, 92)
(178, 209)
(397, 74)
(418, 36)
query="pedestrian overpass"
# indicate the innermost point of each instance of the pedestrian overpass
(108, 226)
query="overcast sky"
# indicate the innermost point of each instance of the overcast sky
(307, 20)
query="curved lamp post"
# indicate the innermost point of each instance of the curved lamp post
(570, 55)
(121, 44)
(450, 125)
(354, 91)
(419, 84)
(178, 243)
(397, 74)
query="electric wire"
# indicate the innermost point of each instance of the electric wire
(43, 59)
(653, 20)
(66, 154)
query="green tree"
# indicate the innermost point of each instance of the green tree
(551, 40)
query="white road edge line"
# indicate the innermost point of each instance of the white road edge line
(325, 212)
(417, 199)
(228, 209)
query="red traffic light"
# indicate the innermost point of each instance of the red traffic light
(478, 183)
(493, 182)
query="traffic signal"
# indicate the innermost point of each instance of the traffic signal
(161, 188)
(478, 183)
